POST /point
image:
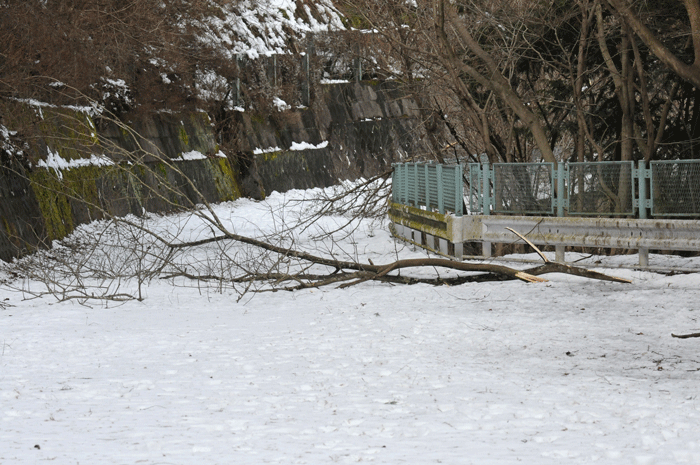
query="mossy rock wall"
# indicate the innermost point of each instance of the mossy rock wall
(162, 133)
(357, 129)
(66, 198)
(21, 223)
(42, 204)
(367, 127)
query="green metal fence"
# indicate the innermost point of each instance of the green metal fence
(600, 188)
(429, 185)
(621, 189)
(523, 188)
(675, 188)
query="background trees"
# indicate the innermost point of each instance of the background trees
(533, 80)
(515, 80)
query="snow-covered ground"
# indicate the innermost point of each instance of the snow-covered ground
(569, 371)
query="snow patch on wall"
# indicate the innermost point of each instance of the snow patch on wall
(195, 155)
(259, 151)
(57, 163)
(306, 146)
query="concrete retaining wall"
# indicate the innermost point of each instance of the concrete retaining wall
(351, 130)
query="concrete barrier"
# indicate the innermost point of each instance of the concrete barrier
(418, 226)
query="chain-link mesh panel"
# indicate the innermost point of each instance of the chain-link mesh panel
(675, 188)
(523, 188)
(601, 188)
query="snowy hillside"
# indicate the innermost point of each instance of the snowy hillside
(265, 27)
(149, 54)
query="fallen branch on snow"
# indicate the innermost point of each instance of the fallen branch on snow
(685, 336)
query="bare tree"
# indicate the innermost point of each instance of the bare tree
(113, 258)
(687, 71)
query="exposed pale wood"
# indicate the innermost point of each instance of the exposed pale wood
(539, 252)
(685, 336)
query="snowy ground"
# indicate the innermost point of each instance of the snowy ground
(570, 371)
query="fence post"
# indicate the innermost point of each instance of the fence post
(642, 202)
(459, 191)
(441, 196)
(486, 204)
(561, 198)
(486, 190)
(642, 183)
(474, 187)
(560, 250)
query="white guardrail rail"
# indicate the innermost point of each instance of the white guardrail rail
(447, 233)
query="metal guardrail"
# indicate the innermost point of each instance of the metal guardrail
(665, 189)
(564, 206)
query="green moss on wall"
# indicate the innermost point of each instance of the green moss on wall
(225, 179)
(69, 133)
(257, 118)
(269, 156)
(184, 138)
(66, 198)
(53, 203)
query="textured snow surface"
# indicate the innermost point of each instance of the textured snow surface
(570, 371)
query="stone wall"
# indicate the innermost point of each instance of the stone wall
(351, 130)
(362, 128)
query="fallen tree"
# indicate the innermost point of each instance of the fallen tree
(112, 259)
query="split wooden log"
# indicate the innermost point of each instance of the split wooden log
(685, 336)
